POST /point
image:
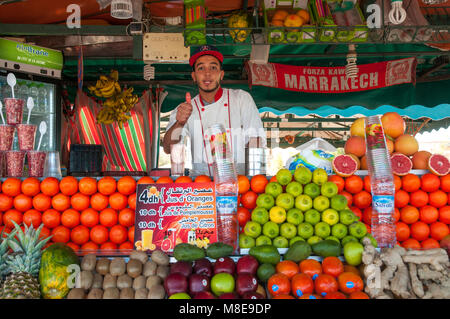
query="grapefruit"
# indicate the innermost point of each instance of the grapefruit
(439, 165)
(406, 144)
(358, 127)
(363, 162)
(393, 124)
(420, 160)
(355, 145)
(344, 165)
(401, 164)
(358, 162)
(389, 145)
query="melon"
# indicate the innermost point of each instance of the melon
(358, 127)
(406, 144)
(355, 145)
(401, 164)
(420, 160)
(344, 165)
(393, 124)
(439, 164)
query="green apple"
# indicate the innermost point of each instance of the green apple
(294, 216)
(288, 230)
(265, 200)
(277, 214)
(295, 239)
(302, 175)
(353, 253)
(281, 242)
(263, 240)
(321, 203)
(271, 229)
(222, 283)
(274, 189)
(347, 217)
(284, 176)
(252, 229)
(285, 200)
(312, 190)
(319, 176)
(180, 295)
(314, 240)
(330, 216)
(339, 230)
(260, 215)
(294, 188)
(358, 230)
(312, 216)
(329, 189)
(348, 239)
(339, 202)
(322, 230)
(303, 202)
(245, 241)
(305, 230)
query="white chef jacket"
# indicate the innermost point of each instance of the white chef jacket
(235, 109)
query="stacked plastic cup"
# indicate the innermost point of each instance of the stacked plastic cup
(13, 160)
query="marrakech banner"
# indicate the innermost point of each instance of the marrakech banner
(332, 79)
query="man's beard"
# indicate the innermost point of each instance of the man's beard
(209, 90)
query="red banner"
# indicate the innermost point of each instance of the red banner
(332, 79)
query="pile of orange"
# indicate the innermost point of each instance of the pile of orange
(311, 279)
(422, 206)
(249, 189)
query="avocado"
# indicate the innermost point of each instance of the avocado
(265, 254)
(327, 248)
(299, 251)
(219, 250)
(265, 271)
(188, 252)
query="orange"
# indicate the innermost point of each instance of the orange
(353, 269)
(311, 267)
(430, 243)
(362, 200)
(99, 234)
(401, 198)
(410, 183)
(106, 185)
(403, 231)
(6, 202)
(438, 230)
(248, 200)
(430, 183)
(348, 196)
(202, 179)
(126, 185)
(45, 232)
(75, 247)
(11, 186)
(50, 186)
(411, 243)
(420, 231)
(243, 215)
(438, 199)
(354, 184)
(87, 186)
(145, 180)
(118, 201)
(51, 218)
(287, 267)
(419, 198)
(126, 246)
(338, 180)
(108, 246)
(30, 186)
(332, 266)
(132, 201)
(10, 216)
(183, 179)
(22, 202)
(89, 246)
(80, 235)
(325, 284)
(68, 185)
(89, 217)
(243, 184)
(80, 201)
(32, 217)
(445, 183)
(131, 234)
(279, 284)
(409, 214)
(428, 214)
(118, 234)
(99, 201)
(310, 296)
(126, 217)
(283, 297)
(349, 282)
(258, 183)
(61, 234)
(367, 215)
(42, 202)
(367, 185)
(397, 182)
(164, 180)
(60, 202)
(396, 214)
(301, 284)
(444, 214)
(335, 295)
(108, 217)
(273, 179)
(70, 218)
(358, 295)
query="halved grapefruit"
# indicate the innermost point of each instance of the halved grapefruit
(439, 164)
(401, 164)
(344, 165)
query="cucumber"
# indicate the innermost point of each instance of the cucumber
(188, 252)
(219, 250)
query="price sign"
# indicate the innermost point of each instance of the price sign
(169, 214)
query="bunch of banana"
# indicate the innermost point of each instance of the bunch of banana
(106, 86)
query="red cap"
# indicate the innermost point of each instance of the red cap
(205, 50)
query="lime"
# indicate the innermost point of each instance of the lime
(288, 230)
(312, 190)
(319, 176)
(263, 240)
(302, 175)
(295, 239)
(294, 216)
(252, 229)
(347, 217)
(314, 240)
(329, 189)
(323, 230)
(358, 230)
(271, 229)
(285, 201)
(274, 189)
(284, 176)
(339, 202)
(265, 271)
(312, 216)
(294, 188)
(281, 242)
(245, 241)
(305, 230)
(277, 214)
(265, 201)
(303, 202)
(321, 203)
(260, 215)
(330, 216)
(339, 230)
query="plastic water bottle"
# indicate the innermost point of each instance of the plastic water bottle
(225, 179)
(382, 183)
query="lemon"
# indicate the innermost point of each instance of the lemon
(277, 214)
(330, 216)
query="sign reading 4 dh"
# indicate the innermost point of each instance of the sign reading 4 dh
(169, 214)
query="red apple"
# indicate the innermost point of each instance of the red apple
(228, 295)
(225, 264)
(203, 267)
(247, 265)
(246, 283)
(181, 267)
(198, 283)
(252, 295)
(175, 283)
(204, 295)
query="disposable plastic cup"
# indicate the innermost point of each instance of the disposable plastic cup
(14, 110)
(14, 163)
(26, 134)
(52, 165)
(177, 157)
(36, 162)
(6, 137)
